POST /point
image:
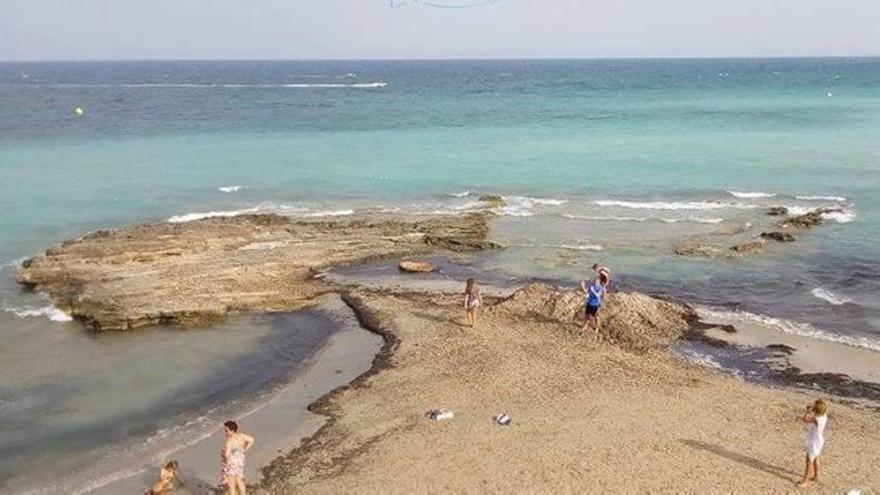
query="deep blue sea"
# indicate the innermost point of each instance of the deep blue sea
(600, 160)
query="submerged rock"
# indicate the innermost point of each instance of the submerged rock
(778, 236)
(695, 248)
(411, 266)
(809, 219)
(777, 211)
(748, 247)
(492, 199)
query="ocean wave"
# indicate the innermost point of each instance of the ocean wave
(706, 360)
(643, 219)
(673, 205)
(843, 216)
(377, 84)
(521, 206)
(838, 199)
(750, 195)
(582, 247)
(790, 327)
(328, 213)
(827, 295)
(50, 312)
(190, 217)
(460, 194)
(229, 189)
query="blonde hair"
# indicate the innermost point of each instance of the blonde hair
(820, 407)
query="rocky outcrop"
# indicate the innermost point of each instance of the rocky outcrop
(748, 247)
(776, 211)
(778, 236)
(492, 199)
(195, 272)
(634, 321)
(807, 220)
(411, 266)
(695, 248)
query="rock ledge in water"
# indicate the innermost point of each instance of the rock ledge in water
(194, 273)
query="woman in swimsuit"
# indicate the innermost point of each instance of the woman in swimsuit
(232, 458)
(472, 300)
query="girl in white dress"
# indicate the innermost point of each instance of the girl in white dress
(472, 301)
(816, 417)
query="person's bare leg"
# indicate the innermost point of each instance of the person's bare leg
(470, 315)
(806, 480)
(474, 317)
(242, 489)
(231, 487)
(815, 470)
(596, 317)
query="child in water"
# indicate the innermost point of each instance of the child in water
(167, 482)
(472, 300)
(816, 417)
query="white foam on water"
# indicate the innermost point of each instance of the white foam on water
(672, 205)
(843, 216)
(190, 217)
(50, 312)
(582, 247)
(838, 199)
(827, 295)
(643, 219)
(750, 195)
(521, 206)
(333, 85)
(229, 189)
(459, 194)
(329, 213)
(706, 360)
(787, 326)
(377, 84)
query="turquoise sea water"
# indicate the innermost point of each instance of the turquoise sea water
(623, 155)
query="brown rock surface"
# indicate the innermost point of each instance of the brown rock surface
(412, 266)
(778, 236)
(748, 247)
(195, 272)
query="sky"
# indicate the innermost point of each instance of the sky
(355, 29)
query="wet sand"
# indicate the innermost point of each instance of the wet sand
(809, 355)
(279, 423)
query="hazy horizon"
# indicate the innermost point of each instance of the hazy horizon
(129, 30)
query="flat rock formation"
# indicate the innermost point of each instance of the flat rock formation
(195, 272)
(742, 241)
(613, 414)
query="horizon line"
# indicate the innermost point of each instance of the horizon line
(442, 59)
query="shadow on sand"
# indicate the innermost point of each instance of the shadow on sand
(760, 465)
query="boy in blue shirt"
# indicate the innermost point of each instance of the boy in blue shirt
(595, 293)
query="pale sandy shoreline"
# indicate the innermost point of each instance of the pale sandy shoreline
(279, 422)
(614, 413)
(588, 415)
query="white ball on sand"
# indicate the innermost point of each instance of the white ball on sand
(78, 111)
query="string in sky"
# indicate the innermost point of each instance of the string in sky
(443, 4)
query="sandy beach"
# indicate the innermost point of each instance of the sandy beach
(615, 413)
